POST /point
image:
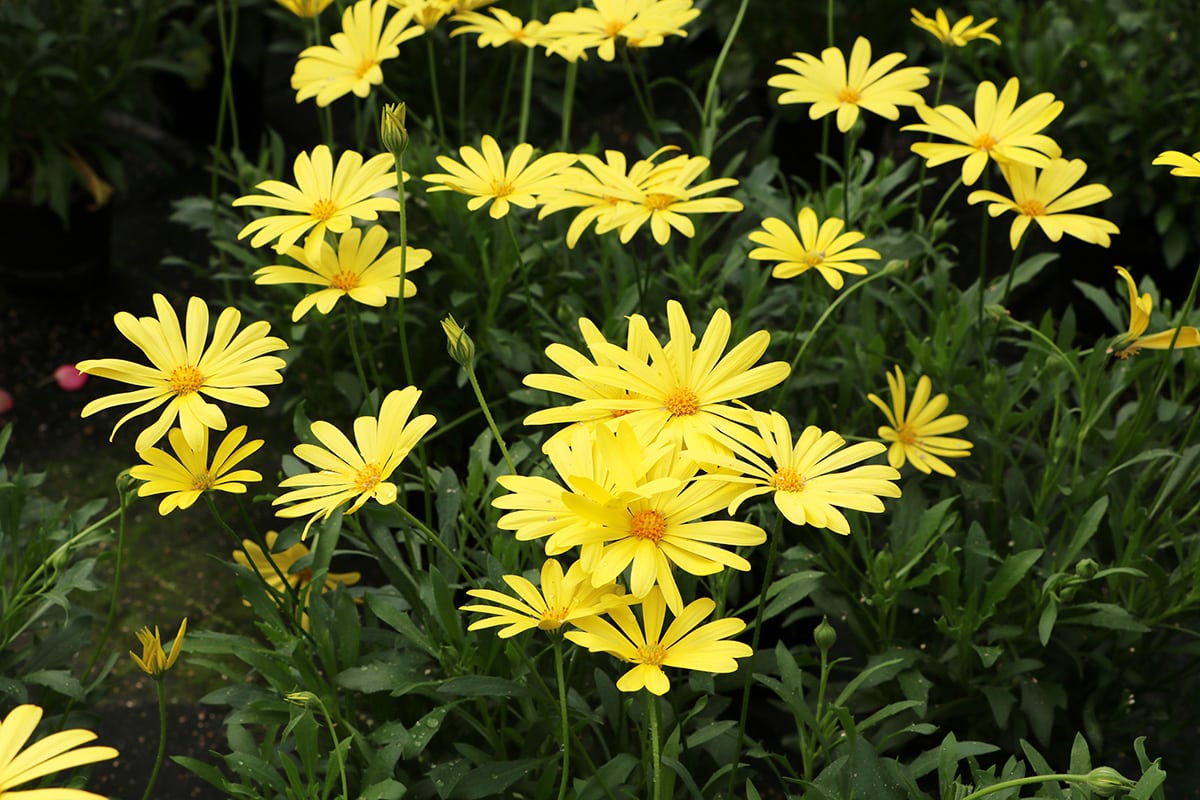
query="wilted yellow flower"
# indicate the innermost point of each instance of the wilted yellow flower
(154, 662)
(956, 35)
(825, 248)
(187, 475)
(485, 175)
(1140, 306)
(48, 755)
(305, 8)
(270, 565)
(1185, 166)
(916, 430)
(563, 599)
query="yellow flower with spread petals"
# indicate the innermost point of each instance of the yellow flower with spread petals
(187, 475)
(917, 430)
(486, 176)
(1184, 166)
(322, 199)
(270, 565)
(499, 29)
(1045, 198)
(1001, 130)
(1140, 306)
(683, 645)
(355, 472)
(355, 270)
(823, 248)
(830, 85)
(305, 8)
(183, 370)
(50, 754)
(564, 599)
(154, 661)
(956, 35)
(657, 19)
(598, 27)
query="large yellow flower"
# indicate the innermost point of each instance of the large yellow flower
(916, 430)
(322, 199)
(1001, 130)
(956, 35)
(356, 472)
(355, 270)
(825, 248)
(487, 177)
(1183, 165)
(53, 753)
(563, 599)
(305, 8)
(1045, 198)
(352, 63)
(183, 370)
(684, 645)
(1140, 306)
(270, 565)
(832, 85)
(187, 475)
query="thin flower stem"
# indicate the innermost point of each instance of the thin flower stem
(568, 103)
(652, 703)
(111, 617)
(642, 102)
(999, 787)
(462, 88)
(708, 113)
(983, 253)
(337, 748)
(937, 95)
(401, 327)
(161, 691)
(847, 154)
(433, 89)
(434, 539)
(1012, 268)
(352, 337)
(527, 85)
(937, 210)
(534, 339)
(487, 413)
(562, 711)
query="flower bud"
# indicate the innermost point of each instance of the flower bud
(1106, 782)
(1086, 568)
(824, 635)
(459, 345)
(301, 698)
(154, 661)
(393, 134)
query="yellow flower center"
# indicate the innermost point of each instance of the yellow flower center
(815, 258)
(1032, 208)
(185, 380)
(681, 402)
(648, 525)
(364, 68)
(202, 481)
(788, 480)
(323, 209)
(657, 201)
(344, 280)
(653, 654)
(984, 142)
(366, 478)
(907, 435)
(849, 94)
(614, 28)
(552, 618)
(501, 188)
(612, 201)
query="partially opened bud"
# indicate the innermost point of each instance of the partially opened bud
(459, 345)
(393, 134)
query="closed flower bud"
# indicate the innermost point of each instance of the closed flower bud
(1086, 568)
(825, 636)
(393, 134)
(1106, 782)
(459, 345)
(301, 698)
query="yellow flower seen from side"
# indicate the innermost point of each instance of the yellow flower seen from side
(1183, 165)
(686, 644)
(598, 27)
(499, 29)
(305, 8)
(820, 246)
(1046, 197)
(831, 85)
(355, 472)
(425, 13)
(185, 368)
(563, 599)
(54, 753)
(352, 62)
(917, 429)
(956, 35)
(1140, 306)
(657, 19)
(154, 661)
(323, 199)
(355, 270)
(269, 565)
(1001, 130)
(488, 178)
(187, 475)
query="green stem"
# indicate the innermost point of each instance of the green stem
(161, 691)
(435, 540)
(847, 154)
(562, 711)
(999, 787)
(337, 749)
(655, 747)
(527, 85)
(708, 133)
(841, 298)
(522, 269)
(642, 101)
(403, 330)
(487, 413)
(983, 253)
(433, 88)
(937, 95)
(568, 103)
(352, 337)
(462, 88)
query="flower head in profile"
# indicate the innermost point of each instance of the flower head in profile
(187, 475)
(154, 661)
(355, 270)
(486, 176)
(305, 8)
(640, 23)
(425, 13)
(956, 35)
(50, 754)
(1046, 197)
(499, 29)
(322, 199)
(563, 599)
(830, 84)
(269, 565)
(185, 369)
(823, 247)
(917, 429)
(810, 480)
(352, 63)
(686, 644)
(355, 472)
(1001, 130)
(1140, 306)
(1183, 165)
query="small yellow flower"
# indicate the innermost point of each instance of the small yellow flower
(48, 755)
(270, 565)
(563, 599)
(305, 8)
(1140, 306)
(917, 430)
(486, 176)
(956, 35)
(499, 29)
(1185, 166)
(187, 475)
(154, 662)
(425, 13)
(825, 248)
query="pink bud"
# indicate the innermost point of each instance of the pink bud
(69, 379)
(6, 401)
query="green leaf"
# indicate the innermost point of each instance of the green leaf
(481, 686)
(1084, 531)
(490, 780)
(387, 789)
(789, 591)
(1011, 572)
(606, 779)
(1107, 615)
(1046, 620)
(402, 673)
(1001, 701)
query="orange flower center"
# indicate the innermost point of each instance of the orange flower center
(552, 618)
(788, 480)
(364, 68)
(366, 478)
(501, 188)
(344, 280)
(202, 481)
(1032, 208)
(648, 525)
(849, 94)
(657, 201)
(907, 435)
(323, 209)
(985, 142)
(185, 380)
(815, 258)
(614, 28)
(681, 402)
(653, 654)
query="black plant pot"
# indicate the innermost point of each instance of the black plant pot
(44, 252)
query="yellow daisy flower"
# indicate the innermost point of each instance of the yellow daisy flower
(1185, 166)
(597, 27)
(1140, 306)
(187, 475)
(917, 431)
(684, 645)
(1001, 130)
(809, 480)
(487, 177)
(657, 19)
(270, 565)
(355, 270)
(356, 472)
(956, 35)
(832, 85)
(183, 370)
(50, 754)
(1044, 198)
(563, 599)
(499, 29)
(322, 199)
(305, 8)
(823, 248)
(425, 13)
(154, 661)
